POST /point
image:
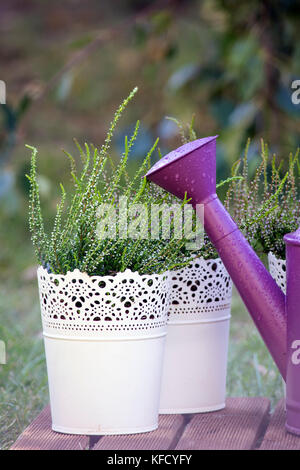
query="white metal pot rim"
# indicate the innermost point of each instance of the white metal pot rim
(191, 303)
(190, 322)
(70, 303)
(110, 432)
(201, 409)
(102, 340)
(119, 274)
(277, 269)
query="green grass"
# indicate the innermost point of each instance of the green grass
(251, 370)
(23, 380)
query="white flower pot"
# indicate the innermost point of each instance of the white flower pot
(195, 363)
(104, 342)
(277, 268)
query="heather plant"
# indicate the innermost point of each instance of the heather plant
(75, 241)
(266, 206)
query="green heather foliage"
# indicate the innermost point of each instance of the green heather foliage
(74, 242)
(266, 206)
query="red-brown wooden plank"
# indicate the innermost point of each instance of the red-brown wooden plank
(39, 436)
(238, 426)
(160, 439)
(276, 437)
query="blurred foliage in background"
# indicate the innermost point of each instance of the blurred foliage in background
(232, 64)
(67, 65)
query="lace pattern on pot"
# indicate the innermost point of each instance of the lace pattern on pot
(127, 304)
(200, 292)
(277, 268)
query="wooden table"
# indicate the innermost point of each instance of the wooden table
(245, 423)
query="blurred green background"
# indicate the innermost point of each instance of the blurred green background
(67, 65)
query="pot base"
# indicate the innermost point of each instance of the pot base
(98, 432)
(182, 411)
(292, 430)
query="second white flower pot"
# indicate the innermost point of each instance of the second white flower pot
(104, 341)
(195, 363)
(277, 268)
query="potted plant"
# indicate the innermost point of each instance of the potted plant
(104, 297)
(267, 206)
(195, 363)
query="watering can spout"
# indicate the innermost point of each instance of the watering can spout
(191, 170)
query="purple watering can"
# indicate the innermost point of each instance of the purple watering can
(191, 170)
